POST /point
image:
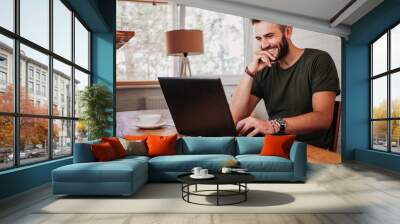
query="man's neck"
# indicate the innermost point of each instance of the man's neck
(293, 55)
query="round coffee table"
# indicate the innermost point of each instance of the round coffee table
(238, 179)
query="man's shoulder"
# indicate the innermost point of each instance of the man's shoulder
(317, 57)
(312, 52)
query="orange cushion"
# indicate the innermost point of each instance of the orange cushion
(116, 145)
(161, 145)
(277, 145)
(103, 152)
(135, 137)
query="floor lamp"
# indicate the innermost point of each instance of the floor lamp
(184, 43)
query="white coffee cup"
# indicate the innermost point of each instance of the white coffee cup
(226, 170)
(203, 172)
(149, 118)
(196, 171)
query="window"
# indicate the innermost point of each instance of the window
(44, 77)
(30, 87)
(30, 72)
(385, 94)
(81, 81)
(63, 73)
(223, 42)
(62, 137)
(3, 61)
(6, 142)
(37, 74)
(34, 145)
(3, 78)
(7, 14)
(43, 90)
(45, 131)
(35, 21)
(81, 45)
(3, 73)
(143, 57)
(37, 89)
(62, 29)
(40, 62)
(6, 74)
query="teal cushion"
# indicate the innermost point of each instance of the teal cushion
(206, 145)
(111, 171)
(249, 145)
(257, 163)
(133, 157)
(185, 163)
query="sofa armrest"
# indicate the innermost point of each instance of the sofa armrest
(83, 152)
(298, 155)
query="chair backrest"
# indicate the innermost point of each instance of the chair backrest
(336, 125)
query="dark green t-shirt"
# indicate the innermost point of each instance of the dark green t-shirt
(288, 92)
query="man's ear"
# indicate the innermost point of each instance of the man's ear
(288, 31)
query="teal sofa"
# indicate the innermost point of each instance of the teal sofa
(125, 176)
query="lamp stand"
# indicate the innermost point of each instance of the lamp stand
(185, 66)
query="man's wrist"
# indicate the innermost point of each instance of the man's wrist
(279, 125)
(247, 71)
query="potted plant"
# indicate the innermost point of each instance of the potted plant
(96, 104)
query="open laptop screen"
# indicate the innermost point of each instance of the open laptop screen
(198, 106)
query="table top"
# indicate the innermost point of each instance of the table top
(220, 178)
(126, 123)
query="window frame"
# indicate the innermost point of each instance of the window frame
(16, 114)
(388, 74)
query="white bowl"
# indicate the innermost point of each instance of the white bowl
(149, 119)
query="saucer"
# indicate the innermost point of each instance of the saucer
(208, 176)
(150, 126)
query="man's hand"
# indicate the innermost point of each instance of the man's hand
(256, 126)
(260, 60)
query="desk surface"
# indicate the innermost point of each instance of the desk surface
(126, 123)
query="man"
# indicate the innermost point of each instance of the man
(298, 86)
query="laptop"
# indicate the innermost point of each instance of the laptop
(198, 106)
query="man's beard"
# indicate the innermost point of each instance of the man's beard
(283, 49)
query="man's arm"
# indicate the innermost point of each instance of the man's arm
(243, 103)
(320, 118)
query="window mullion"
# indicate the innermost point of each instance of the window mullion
(50, 81)
(16, 84)
(371, 142)
(73, 82)
(389, 106)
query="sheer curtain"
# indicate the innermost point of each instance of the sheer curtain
(249, 43)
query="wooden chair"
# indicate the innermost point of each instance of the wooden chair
(335, 125)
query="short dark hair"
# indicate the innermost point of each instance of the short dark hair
(254, 21)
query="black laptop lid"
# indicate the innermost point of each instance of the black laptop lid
(198, 106)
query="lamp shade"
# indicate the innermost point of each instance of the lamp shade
(183, 41)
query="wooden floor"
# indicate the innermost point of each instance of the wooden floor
(377, 188)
